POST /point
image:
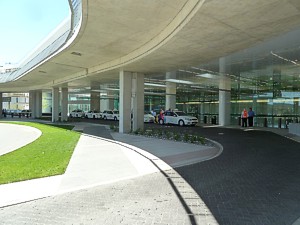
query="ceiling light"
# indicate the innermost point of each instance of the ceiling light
(155, 85)
(153, 93)
(198, 87)
(112, 89)
(179, 81)
(207, 75)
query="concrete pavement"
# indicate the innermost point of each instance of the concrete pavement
(254, 181)
(97, 161)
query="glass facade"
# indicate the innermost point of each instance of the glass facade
(265, 77)
(15, 101)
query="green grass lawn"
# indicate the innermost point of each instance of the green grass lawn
(47, 156)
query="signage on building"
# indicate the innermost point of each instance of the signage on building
(6, 99)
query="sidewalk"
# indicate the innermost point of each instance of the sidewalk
(98, 160)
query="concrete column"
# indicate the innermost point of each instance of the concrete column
(95, 96)
(138, 101)
(32, 103)
(296, 109)
(64, 104)
(170, 91)
(106, 100)
(55, 104)
(224, 94)
(95, 101)
(202, 108)
(296, 105)
(125, 102)
(1, 105)
(39, 103)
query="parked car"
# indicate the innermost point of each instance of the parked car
(13, 112)
(25, 112)
(148, 118)
(77, 113)
(110, 115)
(178, 117)
(93, 114)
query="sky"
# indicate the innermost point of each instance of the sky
(26, 23)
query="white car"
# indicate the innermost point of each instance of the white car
(178, 117)
(149, 118)
(110, 115)
(93, 114)
(77, 113)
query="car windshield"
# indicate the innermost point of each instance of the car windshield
(180, 113)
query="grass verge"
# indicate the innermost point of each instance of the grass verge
(49, 155)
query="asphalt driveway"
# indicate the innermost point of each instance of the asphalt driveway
(256, 180)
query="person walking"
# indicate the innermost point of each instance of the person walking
(244, 118)
(251, 115)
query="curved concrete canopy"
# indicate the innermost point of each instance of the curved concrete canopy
(159, 36)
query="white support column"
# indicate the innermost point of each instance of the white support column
(125, 102)
(224, 94)
(64, 104)
(170, 91)
(55, 104)
(39, 103)
(138, 101)
(32, 103)
(1, 105)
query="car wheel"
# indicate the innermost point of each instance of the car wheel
(181, 123)
(105, 117)
(71, 116)
(161, 121)
(94, 117)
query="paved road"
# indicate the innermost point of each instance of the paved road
(256, 180)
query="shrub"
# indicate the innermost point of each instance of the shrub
(201, 140)
(193, 138)
(148, 132)
(159, 132)
(176, 137)
(141, 132)
(186, 137)
(168, 134)
(136, 131)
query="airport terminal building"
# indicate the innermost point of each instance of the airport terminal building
(207, 58)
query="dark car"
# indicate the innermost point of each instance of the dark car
(25, 112)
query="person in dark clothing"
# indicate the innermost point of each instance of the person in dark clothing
(251, 115)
